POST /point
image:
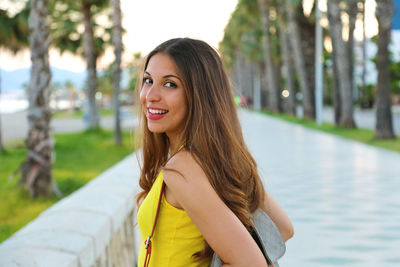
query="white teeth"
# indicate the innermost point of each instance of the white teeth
(157, 111)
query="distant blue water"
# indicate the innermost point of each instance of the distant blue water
(11, 102)
(13, 84)
(18, 79)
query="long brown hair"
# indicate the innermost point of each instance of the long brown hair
(212, 130)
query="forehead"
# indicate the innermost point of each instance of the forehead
(161, 64)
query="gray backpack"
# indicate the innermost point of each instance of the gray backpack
(269, 240)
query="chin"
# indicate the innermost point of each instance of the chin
(154, 129)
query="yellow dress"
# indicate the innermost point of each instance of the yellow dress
(176, 238)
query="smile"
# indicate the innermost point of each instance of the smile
(157, 111)
(156, 114)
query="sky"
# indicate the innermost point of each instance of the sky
(147, 24)
(150, 22)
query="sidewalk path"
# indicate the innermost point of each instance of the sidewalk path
(15, 125)
(342, 196)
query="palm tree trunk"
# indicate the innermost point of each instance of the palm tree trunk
(238, 68)
(36, 170)
(307, 36)
(289, 75)
(270, 67)
(287, 66)
(364, 61)
(118, 47)
(352, 11)
(257, 86)
(91, 57)
(336, 89)
(338, 44)
(295, 42)
(384, 127)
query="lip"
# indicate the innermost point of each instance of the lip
(151, 116)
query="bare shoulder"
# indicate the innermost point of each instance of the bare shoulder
(185, 180)
(185, 165)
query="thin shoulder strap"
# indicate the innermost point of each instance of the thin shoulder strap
(147, 242)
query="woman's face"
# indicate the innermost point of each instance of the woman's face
(163, 97)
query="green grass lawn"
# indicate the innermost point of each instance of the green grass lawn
(361, 135)
(63, 114)
(80, 157)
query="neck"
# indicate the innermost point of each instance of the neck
(174, 144)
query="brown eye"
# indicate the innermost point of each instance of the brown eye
(147, 80)
(170, 84)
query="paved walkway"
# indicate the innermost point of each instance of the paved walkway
(342, 196)
(15, 125)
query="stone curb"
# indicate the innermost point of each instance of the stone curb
(77, 230)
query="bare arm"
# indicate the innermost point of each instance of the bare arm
(278, 216)
(190, 189)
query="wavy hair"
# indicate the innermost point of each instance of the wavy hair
(212, 130)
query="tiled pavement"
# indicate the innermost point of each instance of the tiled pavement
(343, 197)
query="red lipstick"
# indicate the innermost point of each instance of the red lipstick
(156, 113)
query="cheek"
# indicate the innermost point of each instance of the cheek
(182, 106)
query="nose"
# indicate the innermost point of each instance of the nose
(153, 93)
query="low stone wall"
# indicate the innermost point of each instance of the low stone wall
(94, 226)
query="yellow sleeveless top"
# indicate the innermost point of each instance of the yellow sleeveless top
(176, 238)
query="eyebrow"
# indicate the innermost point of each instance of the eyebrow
(166, 76)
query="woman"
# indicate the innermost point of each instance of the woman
(192, 142)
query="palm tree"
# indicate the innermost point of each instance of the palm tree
(306, 26)
(288, 72)
(91, 60)
(295, 42)
(273, 95)
(118, 47)
(384, 127)
(241, 47)
(66, 16)
(364, 60)
(341, 61)
(336, 89)
(36, 170)
(352, 11)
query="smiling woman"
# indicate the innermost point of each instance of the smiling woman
(163, 97)
(200, 183)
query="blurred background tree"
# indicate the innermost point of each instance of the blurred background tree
(342, 68)
(277, 39)
(37, 175)
(69, 26)
(117, 31)
(75, 28)
(384, 124)
(270, 67)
